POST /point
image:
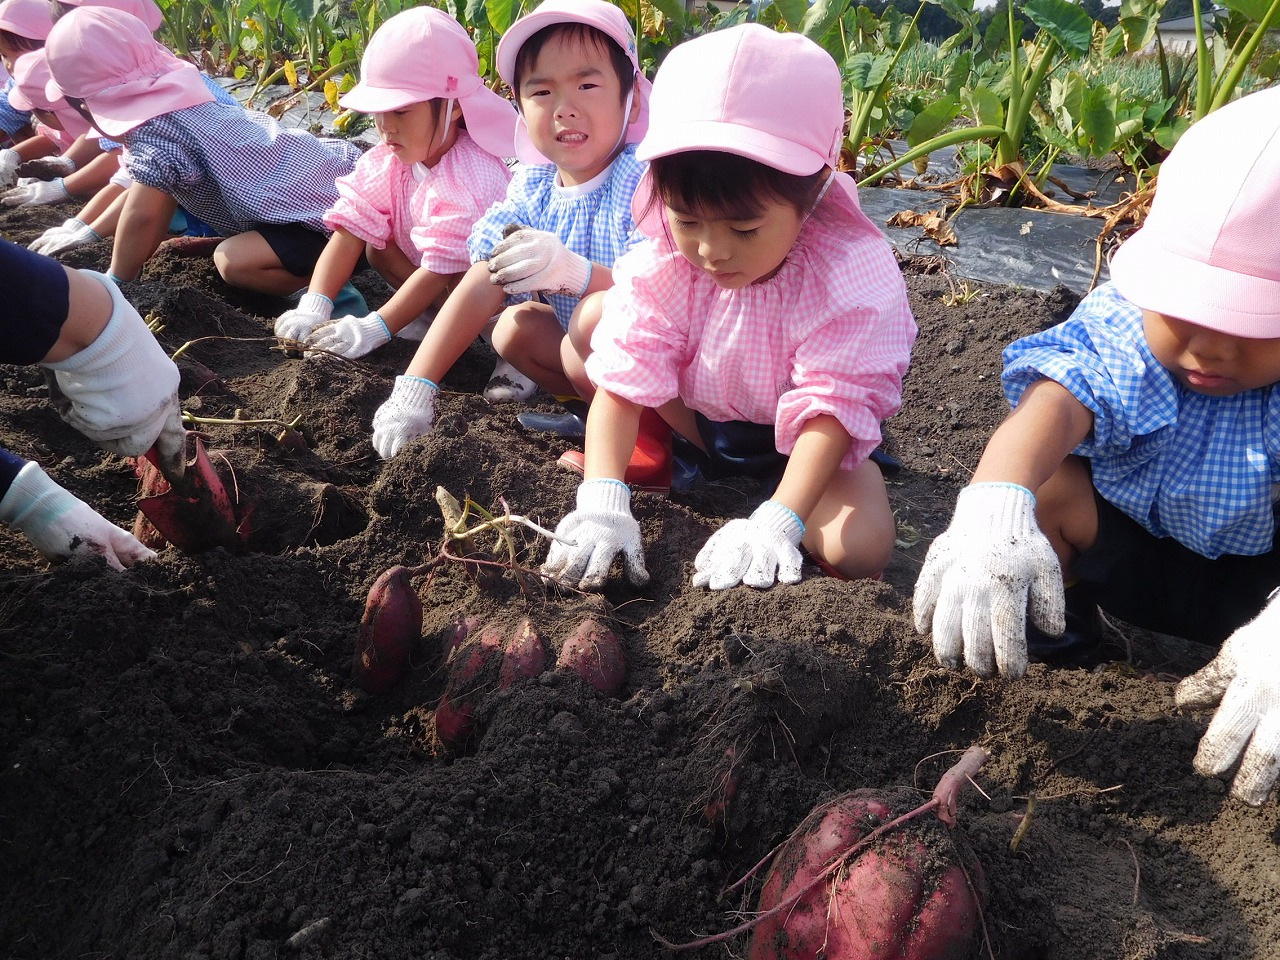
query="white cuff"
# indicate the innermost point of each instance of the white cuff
(604, 495)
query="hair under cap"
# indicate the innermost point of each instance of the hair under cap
(424, 54)
(1207, 251)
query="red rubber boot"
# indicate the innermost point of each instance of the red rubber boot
(650, 465)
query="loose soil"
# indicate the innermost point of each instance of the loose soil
(189, 772)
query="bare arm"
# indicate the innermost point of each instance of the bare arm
(820, 447)
(612, 427)
(144, 223)
(422, 289)
(336, 263)
(466, 312)
(93, 176)
(1046, 425)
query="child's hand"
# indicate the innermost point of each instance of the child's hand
(34, 193)
(1244, 681)
(757, 551)
(350, 337)
(46, 168)
(598, 530)
(530, 261)
(312, 310)
(9, 161)
(980, 576)
(61, 525)
(408, 414)
(69, 235)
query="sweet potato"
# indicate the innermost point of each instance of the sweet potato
(903, 896)
(471, 675)
(459, 630)
(391, 625)
(594, 653)
(523, 657)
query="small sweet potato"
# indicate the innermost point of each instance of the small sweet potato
(594, 653)
(391, 625)
(523, 657)
(471, 675)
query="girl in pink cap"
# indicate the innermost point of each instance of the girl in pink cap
(24, 25)
(566, 216)
(1138, 469)
(411, 201)
(766, 320)
(263, 187)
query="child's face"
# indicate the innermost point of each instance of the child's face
(737, 253)
(1206, 361)
(572, 101)
(48, 118)
(413, 133)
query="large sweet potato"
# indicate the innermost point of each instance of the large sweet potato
(904, 896)
(472, 666)
(523, 657)
(391, 625)
(594, 653)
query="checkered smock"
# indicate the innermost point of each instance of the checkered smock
(594, 220)
(427, 212)
(11, 120)
(830, 333)
(61, 138)
(236, 169)
(1182, 464)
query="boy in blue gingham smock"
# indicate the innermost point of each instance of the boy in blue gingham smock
(1137, 468)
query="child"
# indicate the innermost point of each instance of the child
(264, 187)
(413, 199)
(582, 99)
(1140, 458)
(766, 320)
(24, 25)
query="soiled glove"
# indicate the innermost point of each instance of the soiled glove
(598, 530)
(35, 193)
(981, 575)
(407, 415)
(1244, 680)
(46, 168)
(121, 391)
(312, 310)
(60, 239)
(62, 526)
(9, 161)
(350, 337)
(528, 261)
(758, 551)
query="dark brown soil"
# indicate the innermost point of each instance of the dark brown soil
(188, 771)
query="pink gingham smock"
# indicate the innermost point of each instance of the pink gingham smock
(430, 218)
(63, 139)
(829, 333)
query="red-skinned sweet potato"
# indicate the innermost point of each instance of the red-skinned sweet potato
(471, 675)
(523, 657)
(462, 627)
(391, 625)
(904, 896)
(594, 653)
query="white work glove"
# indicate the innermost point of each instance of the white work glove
(757, 551)
(350, 337)
(407, 414)
(9, 161)
(528, 261)
(982, 575)
(312, 310)
(121, 391)
(597, 531)
(68, 236)
(1244, 680)
(46, 168)
(61, 525)
(35, 193)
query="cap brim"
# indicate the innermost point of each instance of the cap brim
(364, 98)
(1154, 278)
(732, 138)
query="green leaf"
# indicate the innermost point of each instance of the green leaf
(983, 106)
(1098, 118)
(865, 71)
(673, 10)
(1064, 21)
(933, 119)
(820, 18)
(792, 11)
(501, 13)
(1255, 10)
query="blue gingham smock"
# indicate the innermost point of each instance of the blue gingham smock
(1182, 464)
(595, 222)
(236, 169)
(11, 119)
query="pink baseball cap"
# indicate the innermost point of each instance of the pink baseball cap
(26, 18)
(109, 59)
(606, 18)
(1207, 251)
(144, 10)
(30, 79)
(425, 54)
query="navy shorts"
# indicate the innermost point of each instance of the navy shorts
(1157, 583)
(297, 246)
(735, 448)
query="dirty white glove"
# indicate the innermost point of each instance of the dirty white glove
(121, 391)
(61, 525)
(407, 414)
(68, 236)
(35, 193)
(9, 161)
(312, 310)
(758, 551)
(600, 529)
(1244, 681)
(350, 337)
(982, 575)
(528, 261)
(46, 168)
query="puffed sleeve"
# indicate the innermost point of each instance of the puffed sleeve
(365, 198)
